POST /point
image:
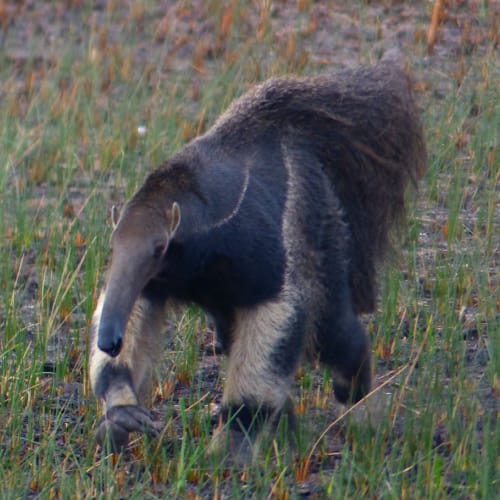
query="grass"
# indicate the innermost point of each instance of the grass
(70, 149)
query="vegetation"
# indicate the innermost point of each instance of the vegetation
(96, 94)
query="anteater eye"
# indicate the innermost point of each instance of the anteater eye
(159, 250)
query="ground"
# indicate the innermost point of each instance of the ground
(94, 96)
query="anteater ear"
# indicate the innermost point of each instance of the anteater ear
(174, 216)
(115, 215)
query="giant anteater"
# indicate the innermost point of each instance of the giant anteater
(273, 222)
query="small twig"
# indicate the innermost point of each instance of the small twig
(409, 367)
(352, 408)
(412, 366)
(437, 11)
(196, 403)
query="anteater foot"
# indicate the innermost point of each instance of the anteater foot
(233, 445)
(120, 421)
(351, 391)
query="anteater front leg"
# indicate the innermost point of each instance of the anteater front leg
(120, 382)
(265, 346)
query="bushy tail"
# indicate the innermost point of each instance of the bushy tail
(378, 148)
(366, 129)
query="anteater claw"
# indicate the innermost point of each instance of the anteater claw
(119, 421)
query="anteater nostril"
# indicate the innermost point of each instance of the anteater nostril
(115, 348)
(109, 339)
(112, 348)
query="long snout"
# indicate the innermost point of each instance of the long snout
(110, 334)
(122, 290)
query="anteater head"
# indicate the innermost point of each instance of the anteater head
(139, 243)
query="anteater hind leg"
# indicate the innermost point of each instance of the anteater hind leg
(265, 346)
(120, 382)
(344, 346)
